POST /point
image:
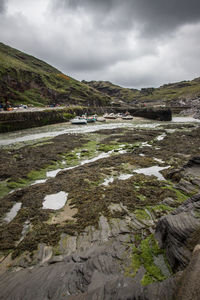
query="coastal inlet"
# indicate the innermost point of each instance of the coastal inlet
(89, 210)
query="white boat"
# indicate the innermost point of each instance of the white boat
(78, 120)
(110, 116)
(101, 119)
(129, 117)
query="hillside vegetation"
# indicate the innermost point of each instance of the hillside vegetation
(26, 79)
(168, 92)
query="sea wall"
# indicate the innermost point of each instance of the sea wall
(12, 121)
(154, 113)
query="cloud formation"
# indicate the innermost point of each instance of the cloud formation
(154, 17)
(2, 6)
(134, 43)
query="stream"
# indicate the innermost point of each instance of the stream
(50, 131)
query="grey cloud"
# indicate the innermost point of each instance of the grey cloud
(110, 40)
(2, 6)
(150, 17)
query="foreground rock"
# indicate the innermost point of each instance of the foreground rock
(174, 231)
(94, 270)
(90, 269)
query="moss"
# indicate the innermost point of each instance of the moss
(131, 147)
(141, 197)
(34, 175)
(141, 214)
(91, 146)
(17, 184)
(107, 148)
(136, 261)
(161, 208)
(149, 249)
(180, 196)
(4, 189)
(56, 250)
(70, 157)
(137, 238)
(143, 255)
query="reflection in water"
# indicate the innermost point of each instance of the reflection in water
(155, 170)
(25, 230)
(161, 137)
(159, 160)
(39, 181)
(13, 212)
(55, 201)
(124, 176)
(107, 181)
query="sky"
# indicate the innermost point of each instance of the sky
(132, 43)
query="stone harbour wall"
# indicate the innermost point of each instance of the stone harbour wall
(12, 121)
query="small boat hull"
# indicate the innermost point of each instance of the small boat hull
(127, 118)
(91, 120)
(78, 121)
(110, 116)
(101, 119)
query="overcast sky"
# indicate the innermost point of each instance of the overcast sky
(133, 43)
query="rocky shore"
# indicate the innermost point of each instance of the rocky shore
(130, 226)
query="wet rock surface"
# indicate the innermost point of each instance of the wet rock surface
(174, 230)
(131, 238)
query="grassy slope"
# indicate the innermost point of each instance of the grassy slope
(25, 79)
(168, 92)
(115, 91)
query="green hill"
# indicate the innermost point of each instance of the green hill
(28, 80)
(184, 90)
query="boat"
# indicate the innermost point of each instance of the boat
(110, 116)
(91, 119)
(129, 117)
(79, 121)
(101, 119)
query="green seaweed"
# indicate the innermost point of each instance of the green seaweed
(107, 148)
(4, 189)
(180, 196)
(141, 214)
(143, 255)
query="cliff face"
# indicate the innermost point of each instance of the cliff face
(25, 79)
